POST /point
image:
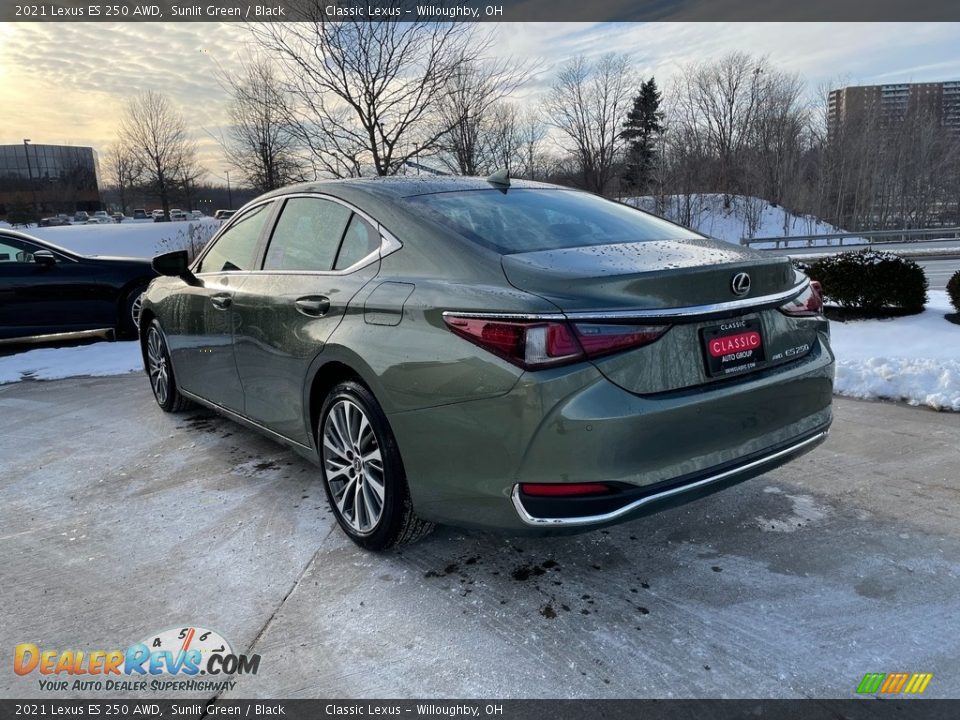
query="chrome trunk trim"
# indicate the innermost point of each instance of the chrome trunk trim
(690, 312)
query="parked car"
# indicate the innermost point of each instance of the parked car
(156, 213)
(139, 214)
(520, 357)
(224, 214)
(81, 216)
(195, 214)
(103, 214)
(55, 221)
(45, 289)
(117, 217)
(178, 214)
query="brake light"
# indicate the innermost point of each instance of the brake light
(807, 303)
(536, 344)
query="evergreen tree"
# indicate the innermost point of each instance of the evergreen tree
(644, 123)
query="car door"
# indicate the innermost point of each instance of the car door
(42, 298)
(320, 254)
(201, 337)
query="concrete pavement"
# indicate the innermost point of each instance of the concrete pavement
(117, 520)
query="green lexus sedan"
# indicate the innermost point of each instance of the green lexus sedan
(504, 355)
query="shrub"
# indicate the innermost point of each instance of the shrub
(871, 281)
(953, 290)
(20, 214)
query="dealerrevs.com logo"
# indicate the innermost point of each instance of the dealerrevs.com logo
(170, 660)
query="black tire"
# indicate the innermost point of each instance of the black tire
(160, 370)
(346, 473)
(128, 326)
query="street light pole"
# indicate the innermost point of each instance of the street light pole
(229, 192)
(33, 188)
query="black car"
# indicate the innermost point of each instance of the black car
(46, 290)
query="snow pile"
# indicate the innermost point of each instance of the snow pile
(914, 358)
(130, 238)
(746, 217)
(98, 359)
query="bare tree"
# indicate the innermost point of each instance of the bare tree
(122, 170)
(586, 104)
(260, 143)
(365, 96)
(156, 135)
(719, 100)
(532, 132)
(479, 122)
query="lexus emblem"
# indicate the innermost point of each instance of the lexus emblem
(740, 284)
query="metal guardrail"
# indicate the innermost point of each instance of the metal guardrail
(865, 237)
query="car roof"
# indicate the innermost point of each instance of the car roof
(399, 186)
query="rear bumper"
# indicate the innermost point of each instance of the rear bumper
(464, 461)
(567, 512)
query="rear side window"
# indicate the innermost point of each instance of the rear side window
(307, 235)
(359, 241)
(236, 249)
(527, 220)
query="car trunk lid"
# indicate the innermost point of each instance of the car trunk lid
(646, 275)
(686, 284)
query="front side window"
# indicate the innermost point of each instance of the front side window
(16, 251)
(236, 249)
(307, 235)
(528, 220)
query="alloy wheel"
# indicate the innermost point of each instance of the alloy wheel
(157, 366)
(135, 309)
(353, 466)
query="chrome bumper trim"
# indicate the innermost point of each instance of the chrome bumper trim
(528, 519)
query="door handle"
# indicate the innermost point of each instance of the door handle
(221, 301)
(313, 305)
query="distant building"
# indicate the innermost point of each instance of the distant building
(891, 104)
(52, 178)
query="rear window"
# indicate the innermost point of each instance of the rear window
(524, 220)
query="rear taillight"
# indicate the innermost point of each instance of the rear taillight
(807, 303)
(536, 344)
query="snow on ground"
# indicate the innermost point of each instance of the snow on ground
(915, 359)
(130, 238)
(98, 359)
(747, 216)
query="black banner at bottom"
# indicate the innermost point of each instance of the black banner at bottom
(853, 709)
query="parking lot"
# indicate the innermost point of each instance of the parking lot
(119, 521)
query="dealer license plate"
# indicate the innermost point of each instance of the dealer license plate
(732, 347)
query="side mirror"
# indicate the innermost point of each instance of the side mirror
(175, 264)
(45, 258)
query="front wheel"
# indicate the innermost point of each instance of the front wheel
(160, 370)
(362, 471)
(128, 324)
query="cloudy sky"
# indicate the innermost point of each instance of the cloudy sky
(67, 82)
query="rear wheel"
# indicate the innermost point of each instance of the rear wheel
(160, 370)
(362, 471)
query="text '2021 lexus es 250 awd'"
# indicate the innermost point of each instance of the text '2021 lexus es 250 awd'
(515, 356)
